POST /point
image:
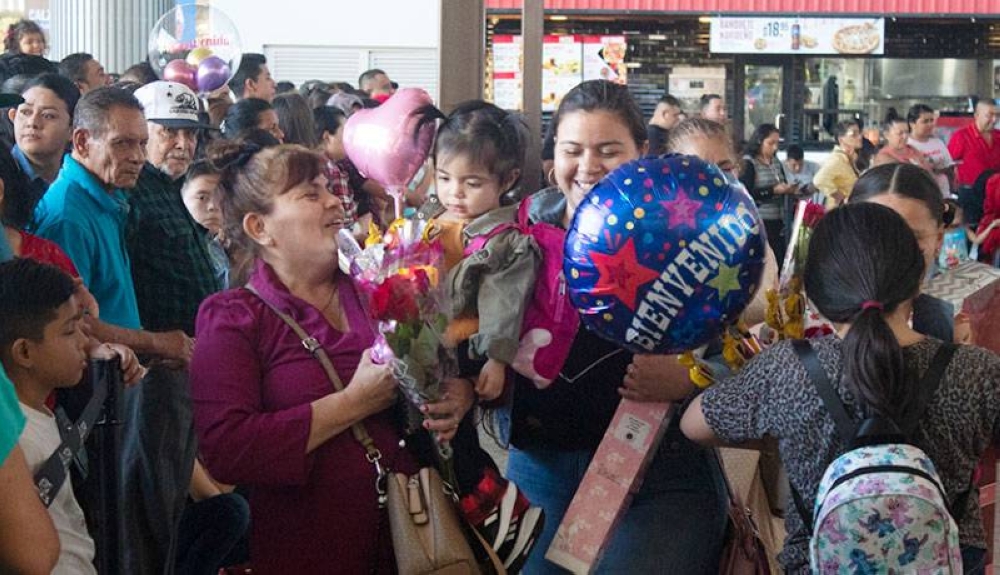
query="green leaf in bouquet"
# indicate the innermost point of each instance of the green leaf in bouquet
(439, 323)
(425, 348)
(802, 248)
(415, 380)
(405, 331)
(401, 340)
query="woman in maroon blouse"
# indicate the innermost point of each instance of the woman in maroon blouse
(266, 414)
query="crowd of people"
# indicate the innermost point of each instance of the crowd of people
(195, 241)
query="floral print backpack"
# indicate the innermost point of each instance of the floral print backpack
(881, 507)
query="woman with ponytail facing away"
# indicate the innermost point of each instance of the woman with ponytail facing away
(863, 273)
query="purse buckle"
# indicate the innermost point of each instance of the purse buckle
(381, 476)
(311, 344)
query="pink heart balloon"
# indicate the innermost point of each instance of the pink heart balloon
(380, 141)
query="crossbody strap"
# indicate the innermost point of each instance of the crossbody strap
(313, 346)
(52, 474)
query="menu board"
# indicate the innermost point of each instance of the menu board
(562, 68)
(566, 61)
(507, 56)
(849, 36)
(604, 58)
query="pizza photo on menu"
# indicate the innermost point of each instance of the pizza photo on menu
(857, 39)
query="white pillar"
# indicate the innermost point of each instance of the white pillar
(114, 31)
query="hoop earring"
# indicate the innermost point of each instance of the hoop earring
(551, 177)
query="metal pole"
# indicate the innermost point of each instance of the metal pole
(107, 467)
(532, 30)
(461, 52)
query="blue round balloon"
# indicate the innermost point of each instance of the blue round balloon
(663, 253)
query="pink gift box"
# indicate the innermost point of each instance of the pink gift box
(614, 475)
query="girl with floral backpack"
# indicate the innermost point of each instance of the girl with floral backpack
(924, 432)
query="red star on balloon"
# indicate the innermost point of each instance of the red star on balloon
(620, 274)
(682, 210)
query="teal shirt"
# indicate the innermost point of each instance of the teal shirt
(88, 222)
(11, 417)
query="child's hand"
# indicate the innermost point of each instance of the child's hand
(132, 370)
(491, 380)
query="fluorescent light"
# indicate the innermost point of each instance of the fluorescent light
(558, 18)
(633, 64)
(657, 37)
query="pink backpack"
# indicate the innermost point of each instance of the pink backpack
(550, 321)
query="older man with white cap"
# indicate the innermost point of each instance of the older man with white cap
(173, 273)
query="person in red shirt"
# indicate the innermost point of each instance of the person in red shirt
(990, 249)
(976, 147)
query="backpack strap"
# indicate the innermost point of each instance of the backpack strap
(846, 427)
(929, 384)
(524, 211)
(842, 421)
(479, 242)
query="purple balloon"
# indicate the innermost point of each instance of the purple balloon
(181, 72)
(213, 73)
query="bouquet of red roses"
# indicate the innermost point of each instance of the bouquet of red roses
(399, 274)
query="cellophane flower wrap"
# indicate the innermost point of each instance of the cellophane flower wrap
(787, 314)
(399, 275)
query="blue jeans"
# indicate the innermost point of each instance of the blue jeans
(158, 451)
(678, 518)
(973, 560)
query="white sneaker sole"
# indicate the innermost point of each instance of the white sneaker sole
(525, 536)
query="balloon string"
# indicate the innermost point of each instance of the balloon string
(397, 198)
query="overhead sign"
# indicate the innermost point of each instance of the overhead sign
(848, 36)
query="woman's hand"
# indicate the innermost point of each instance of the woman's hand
(656, 378)
(373, 384)
(782, 189)
(371, 390)
(458, 395)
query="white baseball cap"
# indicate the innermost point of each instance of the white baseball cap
(170, 104)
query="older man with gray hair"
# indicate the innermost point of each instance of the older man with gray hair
(85, 211)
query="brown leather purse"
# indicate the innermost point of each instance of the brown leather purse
(743, 552)
(427, 536)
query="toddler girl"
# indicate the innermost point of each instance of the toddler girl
(491, 265)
